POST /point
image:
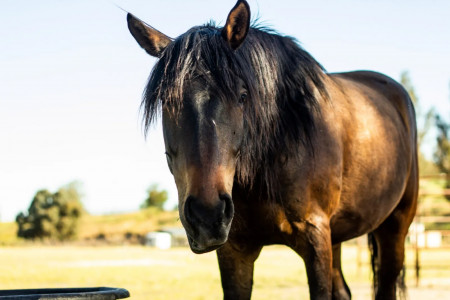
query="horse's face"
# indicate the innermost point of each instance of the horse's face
(202, 143)
(203, 139)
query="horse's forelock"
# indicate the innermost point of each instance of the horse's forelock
(280, 78)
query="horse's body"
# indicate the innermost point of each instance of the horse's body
(266, 148)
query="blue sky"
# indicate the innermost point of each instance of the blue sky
(71, 79)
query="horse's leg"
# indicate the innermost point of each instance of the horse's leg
(314, 246)
(236, 269)
(390, 241)
(340, 287)
(390, 244)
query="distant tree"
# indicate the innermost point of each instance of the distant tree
(442, 152)
(35, 224)
(425, 119)
(424, 123)
(68, 200)
(155, 197)
(53, 216)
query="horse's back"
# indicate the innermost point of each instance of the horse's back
(392, 91)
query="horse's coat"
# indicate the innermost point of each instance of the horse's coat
(267, 148)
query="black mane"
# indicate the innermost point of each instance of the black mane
(282, 81)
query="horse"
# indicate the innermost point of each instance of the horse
(266, 147)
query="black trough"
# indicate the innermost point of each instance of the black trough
(98, 293)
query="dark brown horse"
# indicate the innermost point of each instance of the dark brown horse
(267, 148)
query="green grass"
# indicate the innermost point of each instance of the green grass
(179, 274)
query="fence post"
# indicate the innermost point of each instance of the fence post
(417, 254)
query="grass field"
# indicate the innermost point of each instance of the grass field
(179, 274)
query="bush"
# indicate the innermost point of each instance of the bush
(53, 216)
(155, 197)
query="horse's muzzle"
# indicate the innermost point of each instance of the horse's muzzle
(207, 225)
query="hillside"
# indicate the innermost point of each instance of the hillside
(130, 226)
(114, 228)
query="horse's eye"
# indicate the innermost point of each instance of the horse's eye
(243, 97)
(169, 157)
(169, 161)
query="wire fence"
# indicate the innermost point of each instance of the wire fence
(431, 232)
(428, 240)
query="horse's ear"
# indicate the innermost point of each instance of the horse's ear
(238, 23)
(153, 41)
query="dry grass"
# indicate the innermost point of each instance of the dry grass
(140, 222)
(8, 234)
(179, 274)
(114, 227)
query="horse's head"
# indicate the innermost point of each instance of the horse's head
(202, 145)
(203, 119)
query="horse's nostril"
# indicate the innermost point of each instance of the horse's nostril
(188, 209)
(228, 208)
(198, 213)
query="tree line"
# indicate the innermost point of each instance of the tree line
(426, 121)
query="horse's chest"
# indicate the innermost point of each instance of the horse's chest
(266, 223)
